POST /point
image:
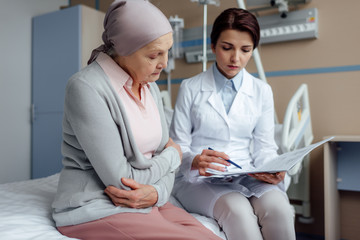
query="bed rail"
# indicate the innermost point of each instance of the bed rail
(296, 133)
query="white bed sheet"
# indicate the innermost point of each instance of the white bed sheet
(25, 211)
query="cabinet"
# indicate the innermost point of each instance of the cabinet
(341, 172)
(62, 42)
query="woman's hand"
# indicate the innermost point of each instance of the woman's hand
(141, 196)
(171, 143)
(207, 158)
(273, 178)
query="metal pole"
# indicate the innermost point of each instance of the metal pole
(169, 85)
(259, 65)
(241, 4)
(204, 60)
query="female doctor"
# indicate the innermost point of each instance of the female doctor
(225, 108)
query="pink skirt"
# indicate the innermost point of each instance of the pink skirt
(166, 222)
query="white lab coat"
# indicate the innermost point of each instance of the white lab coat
(200, 121)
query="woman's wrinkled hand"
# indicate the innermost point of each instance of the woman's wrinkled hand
(171, 143)
(206, 160)
(141, 196)
(273, 178)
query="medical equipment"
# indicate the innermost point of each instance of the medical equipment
(178, 26)
(281, 5)
(205, 3)
(167, 106)
(298, 25)
(176, 51)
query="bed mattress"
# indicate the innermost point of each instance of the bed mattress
(25, 211)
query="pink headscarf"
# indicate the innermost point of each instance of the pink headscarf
(130, 25)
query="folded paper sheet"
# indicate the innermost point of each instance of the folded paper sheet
(283, 162)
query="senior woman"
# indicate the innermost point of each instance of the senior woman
(115, 134)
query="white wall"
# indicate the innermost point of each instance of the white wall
(15, 84)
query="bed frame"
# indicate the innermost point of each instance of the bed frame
(296, 132)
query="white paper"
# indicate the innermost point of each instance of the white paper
(283, 162)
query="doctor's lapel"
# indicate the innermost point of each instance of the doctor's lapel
(208, 85)
(246, 90)
(216, 102)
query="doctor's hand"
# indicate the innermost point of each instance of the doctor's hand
(273, 178)
(171, 143)
(207, 158)
(141, 196)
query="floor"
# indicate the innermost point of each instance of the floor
(305, 236)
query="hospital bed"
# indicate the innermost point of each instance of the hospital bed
(25, 206)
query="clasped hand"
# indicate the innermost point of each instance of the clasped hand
(141, 196)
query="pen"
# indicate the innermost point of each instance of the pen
(229, 161)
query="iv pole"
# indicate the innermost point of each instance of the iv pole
(205, 3)
(204, 58)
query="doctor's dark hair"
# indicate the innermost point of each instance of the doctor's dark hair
(236, 19)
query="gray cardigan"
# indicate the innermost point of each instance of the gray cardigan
(99, 149)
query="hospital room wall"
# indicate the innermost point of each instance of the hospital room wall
(15, 84)
(329, 65)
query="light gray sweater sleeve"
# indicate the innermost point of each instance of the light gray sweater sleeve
(98, 135)
(164, 188)
(165, 185)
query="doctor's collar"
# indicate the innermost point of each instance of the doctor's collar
(220, 79)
